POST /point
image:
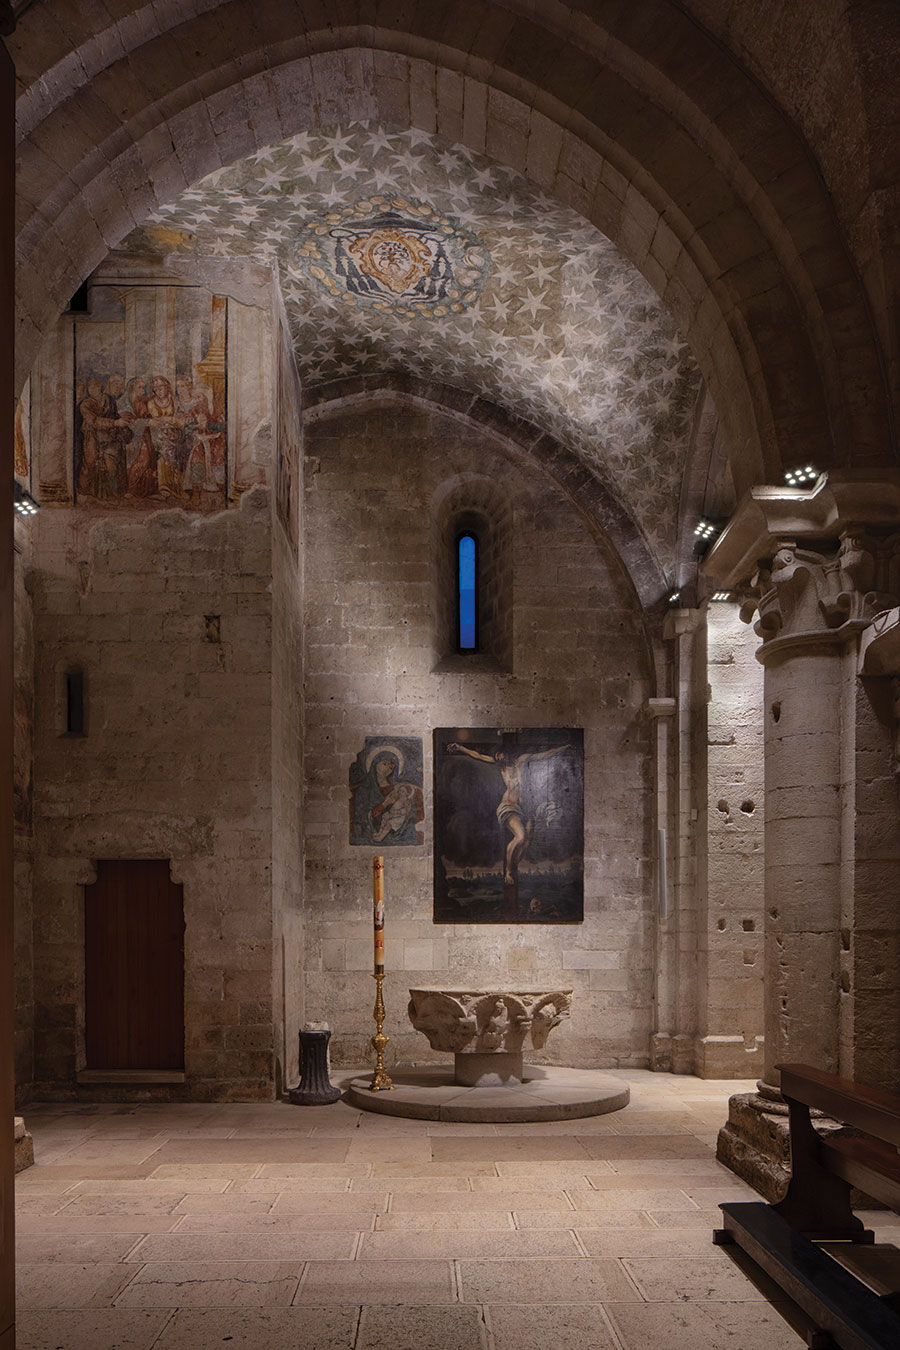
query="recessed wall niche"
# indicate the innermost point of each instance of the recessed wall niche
(471, 504)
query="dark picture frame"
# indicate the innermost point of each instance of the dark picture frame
(508, 825)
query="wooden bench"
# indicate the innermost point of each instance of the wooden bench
(782, 1238)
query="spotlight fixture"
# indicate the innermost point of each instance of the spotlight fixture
(704, 529)
(719, 596)
(802, 476)
(23, 501)
(674, 597)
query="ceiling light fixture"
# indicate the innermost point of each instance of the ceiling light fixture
(720, 596)
(800, 477)
(674, 597)
(23, 501)
(704, 530)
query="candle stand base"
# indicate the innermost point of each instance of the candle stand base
(380, 1080)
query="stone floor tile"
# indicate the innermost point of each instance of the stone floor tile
(483, 1168)
(239, 1222)
(256, 1133)
(469, 1244)
(423, 1185)
(704, 1219)
(117, 1206)
(472, 1130)
(646, 1146)
(429, 1222)
(296, 1202)
(707, 1197)
(589, 1168)
(313, 1169)
(512, 1199)
(644, 1240)
(583, 1327)
(687, 1167)
(425, 1282)
(63, 1172)
(252, 1149)
(409, 1328)
(555, 1148)
(151, 1186)
(567, 1282)
(578, 1125)
(228, 1203)
(309, 1185)
(613, 1217)
(557, 1177)
(690, 1326)
(69, 1285)
(260, 1329)
(665, 1280)
(89, 1329)
(41, 1204)
(630, 1121)
(389, 1148)
(632, 1198)
(73, 1226)
(113, 1151)
(88, 1247)
(181, 1284)
(41, 1185)
(243, 1246)
(231, 1171)
(371, 1122)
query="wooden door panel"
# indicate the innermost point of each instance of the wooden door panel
(134, 966)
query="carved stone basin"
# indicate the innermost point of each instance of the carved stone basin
(487, 1030)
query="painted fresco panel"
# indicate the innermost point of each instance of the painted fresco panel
(22, 437)
(387, 801)
(508, 825)
(150, 398)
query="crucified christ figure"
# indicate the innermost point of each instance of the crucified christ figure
(511, 812)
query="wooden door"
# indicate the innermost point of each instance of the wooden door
(134, 966)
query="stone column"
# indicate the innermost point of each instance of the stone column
(802, 657)
(809, 604)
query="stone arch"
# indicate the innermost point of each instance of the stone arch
(610, 522)
(670, 148)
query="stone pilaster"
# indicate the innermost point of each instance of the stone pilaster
(672, 1047)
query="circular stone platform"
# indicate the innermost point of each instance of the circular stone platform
(546, 1094)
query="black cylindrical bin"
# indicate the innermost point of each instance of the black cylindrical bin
(315, 1088)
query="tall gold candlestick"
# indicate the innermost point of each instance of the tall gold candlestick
(380, 1080)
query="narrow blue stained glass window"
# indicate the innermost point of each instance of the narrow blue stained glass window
(467, 571)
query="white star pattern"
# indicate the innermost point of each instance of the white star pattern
(566, 333)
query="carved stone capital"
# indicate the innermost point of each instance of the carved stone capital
(841, 503)
(473, 1021)
(805, 595)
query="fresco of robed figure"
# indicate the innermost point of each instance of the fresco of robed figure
(509, 825)
(387, 804)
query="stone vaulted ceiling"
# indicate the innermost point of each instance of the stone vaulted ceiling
(399, 251)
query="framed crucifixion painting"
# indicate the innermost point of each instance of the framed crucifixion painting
(508, 825)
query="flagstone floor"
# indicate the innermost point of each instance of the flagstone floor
(263, 1227)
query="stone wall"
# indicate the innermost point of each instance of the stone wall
(169, 617)
(376, 480)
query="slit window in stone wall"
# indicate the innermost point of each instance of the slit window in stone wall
(467, 592)
(74, 720)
